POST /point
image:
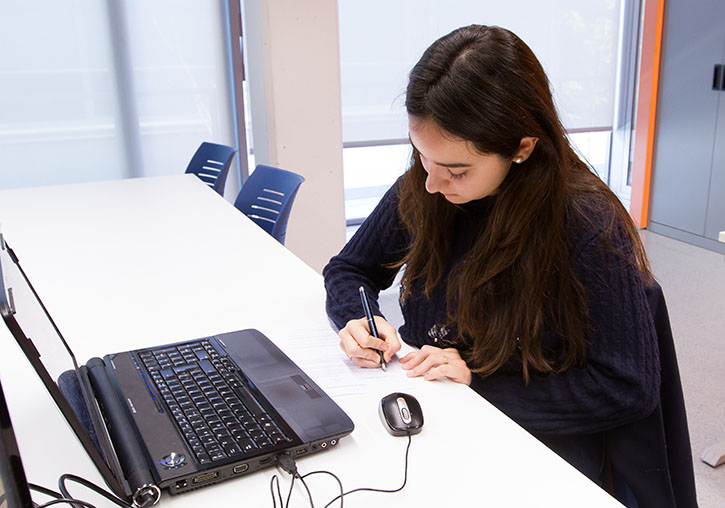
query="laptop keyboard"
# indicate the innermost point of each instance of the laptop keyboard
(217, 415)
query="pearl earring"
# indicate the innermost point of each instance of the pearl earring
(518, 160)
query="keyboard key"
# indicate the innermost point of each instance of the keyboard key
(167, 373)
(232, 449)
(218, 456)
(207, 367)
(262, 442)
(247, 445)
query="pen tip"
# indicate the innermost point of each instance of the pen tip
(383, 366)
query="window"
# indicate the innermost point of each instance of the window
(106, 90)
(578, 43)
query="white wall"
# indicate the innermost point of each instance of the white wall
(293, 70)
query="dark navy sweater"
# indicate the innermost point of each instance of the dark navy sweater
(619, 383)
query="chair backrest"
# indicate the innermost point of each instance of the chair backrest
(266, 198)
(211, 163)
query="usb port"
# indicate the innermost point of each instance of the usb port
(301, 451)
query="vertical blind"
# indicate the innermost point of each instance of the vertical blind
(95, 90)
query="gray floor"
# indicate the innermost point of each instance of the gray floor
(693, 280)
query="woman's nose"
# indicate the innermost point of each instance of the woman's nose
(435, 182)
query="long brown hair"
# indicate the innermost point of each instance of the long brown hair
(484, 85)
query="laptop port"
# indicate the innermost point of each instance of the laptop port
(241, 468)
(205, 477)
(267, 460)
(301, 451)
(181, 484)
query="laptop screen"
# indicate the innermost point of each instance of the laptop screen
(46, 349)
(14, 492)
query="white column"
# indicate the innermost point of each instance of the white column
(293, 68)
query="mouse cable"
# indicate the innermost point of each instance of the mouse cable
(370, 489)
(57, 498)
(339, 482)
(287, 463)
(91, 486)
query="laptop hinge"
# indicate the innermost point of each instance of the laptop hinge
(129, 452)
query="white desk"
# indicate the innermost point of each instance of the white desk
(139, 262)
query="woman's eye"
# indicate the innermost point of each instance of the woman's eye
(456, 176)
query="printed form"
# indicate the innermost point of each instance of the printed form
(317, 351)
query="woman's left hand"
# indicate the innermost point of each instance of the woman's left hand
(436, 363)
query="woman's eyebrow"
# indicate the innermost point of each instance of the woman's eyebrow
(443, 164)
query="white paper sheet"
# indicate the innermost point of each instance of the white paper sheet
(317, 351)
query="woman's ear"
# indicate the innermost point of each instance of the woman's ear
(526, 146)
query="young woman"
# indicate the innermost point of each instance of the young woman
(524, 276)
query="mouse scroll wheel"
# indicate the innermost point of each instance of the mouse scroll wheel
(403, 408)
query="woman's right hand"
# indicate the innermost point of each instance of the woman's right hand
(362, 348)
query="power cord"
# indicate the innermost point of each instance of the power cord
(64, 497)
(89, 485)
(287, 463)
(57, 498)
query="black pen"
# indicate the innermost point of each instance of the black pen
(371, 323)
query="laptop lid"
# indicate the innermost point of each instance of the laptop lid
(46, 349)
(14, 491)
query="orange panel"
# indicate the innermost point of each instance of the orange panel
(646, 110)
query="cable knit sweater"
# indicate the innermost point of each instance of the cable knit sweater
(618, 384)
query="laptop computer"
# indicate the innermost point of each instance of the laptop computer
(14, 490)
(174, 417)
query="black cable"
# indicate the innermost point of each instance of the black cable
(289, 494)
(368, 489)
(287, 463)
(309, 494)
(275, 478)
(58, 498)
(92, 486)
(43, 490)
(339, 482)
(75, 502)
(279, 492)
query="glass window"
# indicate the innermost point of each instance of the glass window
(576, 42)
(90, 95)
(369, 172)
(59, 96)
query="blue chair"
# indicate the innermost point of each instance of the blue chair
(211, 163)
(266, 198)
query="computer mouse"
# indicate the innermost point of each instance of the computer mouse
(401, 414)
